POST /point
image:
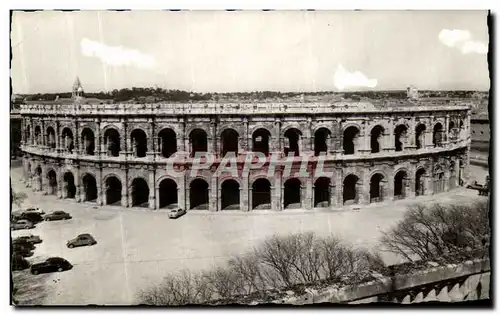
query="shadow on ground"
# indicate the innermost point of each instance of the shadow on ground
(29, 289)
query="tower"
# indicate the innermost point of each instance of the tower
(77, 91)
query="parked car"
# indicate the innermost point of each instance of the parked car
(22, 251)
(176, 212)
(32, 216)
(23, 243)
(18, 262)
(34, 239)
(21, 224)
(50, 265)
(57, 215)
(16, 215)
(34, 210)
(82, 240)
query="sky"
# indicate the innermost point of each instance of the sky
(224, 51)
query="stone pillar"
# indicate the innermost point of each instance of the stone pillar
(124, 141)
(308, 194)
(388, 189)
(429, 133)
(446, 138)
(97, 140)
(245, 145)
(340, 186)
(276, 145)
(101, 195)
(213, 194)
(277, 192)
(151, 141)
(182, 193)
(157, 198)
(363, 144)
(244, 197)
(390, 145)
(333, 194)
(126, 195)
(77, 184)
(152, 190)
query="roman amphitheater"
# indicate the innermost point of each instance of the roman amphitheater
(116, 154)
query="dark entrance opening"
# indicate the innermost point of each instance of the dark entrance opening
(291, 198)
(51, 138)
(67, 136)
(376, 193)
(198, 194)
(167, 142)
(140, 193)
(168, 194)
(69, 183)
(322, 192)
(321, 137)
(437, 135)
(350, 194)
(139, 143)
(88, 140)
(229, 142)
(89, 187)
(199, 142)
(399, 185)
(420, 136)
(230, 195)
(261, 194)
(113, 191)
(38, 136)
(38, 174)
(292, 142)
(52, 177)
(260, 140)
(419, 182)
(375, 138)
(400, 137)
(112, 142)
(350, 138)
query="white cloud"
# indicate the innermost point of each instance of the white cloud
(472, 46)
(345, 79)
(461, 39)
(116, 55)
(453, 37)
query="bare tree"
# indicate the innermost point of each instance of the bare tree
(439, 232)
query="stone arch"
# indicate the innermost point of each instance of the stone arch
(420, 187)
(198, 141)
(52, 181)
(111, 140)
(269, 129)
(420, 130)
(261, 139)
(377, 187)
(88, 141)
(69, 187)
(437, 135)
(350, 140)
(67, 139)
(376, 137)
(400, 136)
(167, 142)
(322, 137)
(350, 124)
(292, 193)
(292, 139)
(139, 191)
(261, 193)
(113, 189)
(89, 186)
(322, 192)
(168, 193)
(139, 142)
(199, 194)
(38, 135)
(229, 141)
(438, 178)
(230, 194)
(350, 192)
(400, 183)
(51, 137)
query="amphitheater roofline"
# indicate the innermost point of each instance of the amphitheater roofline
(233, 108)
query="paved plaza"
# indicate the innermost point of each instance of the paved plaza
(137, 247)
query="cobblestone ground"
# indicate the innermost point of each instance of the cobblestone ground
(138, 247)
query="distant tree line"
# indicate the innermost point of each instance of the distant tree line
(159, 94)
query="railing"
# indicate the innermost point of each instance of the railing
(224, 108)
(451, 283)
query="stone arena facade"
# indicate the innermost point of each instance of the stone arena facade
(116, 154)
